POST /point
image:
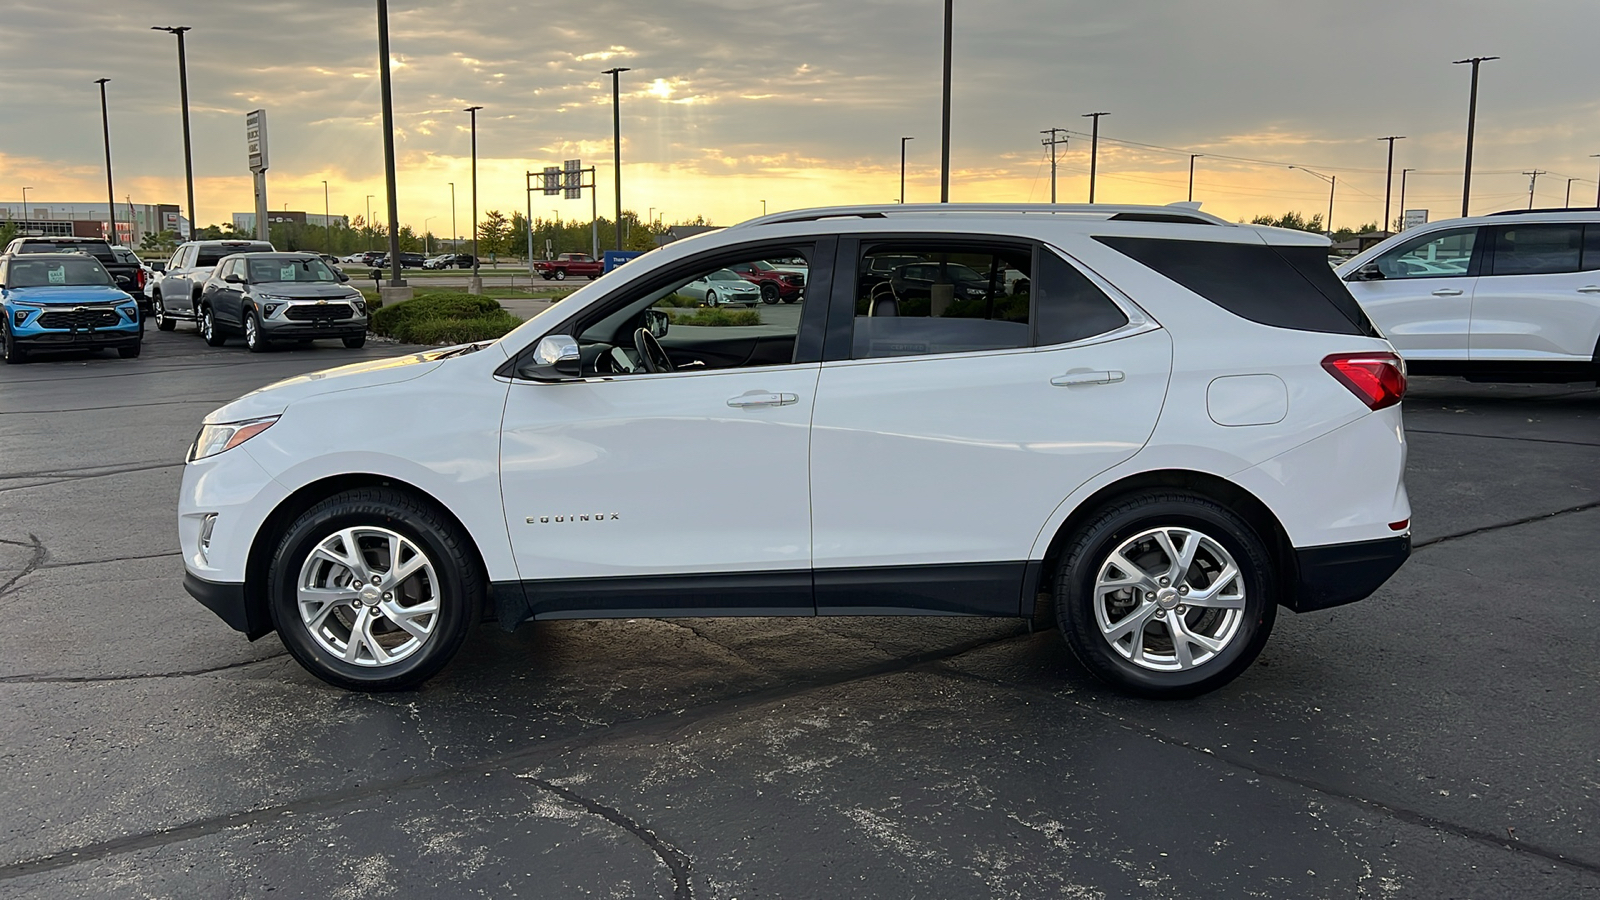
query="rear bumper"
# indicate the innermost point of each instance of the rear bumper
(227, 600)
(1336, 574)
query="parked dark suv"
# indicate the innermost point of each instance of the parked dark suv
(176, 295)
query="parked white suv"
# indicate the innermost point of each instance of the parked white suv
(1181, 425)
(1510, 296)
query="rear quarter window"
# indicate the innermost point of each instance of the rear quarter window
(1284, 287)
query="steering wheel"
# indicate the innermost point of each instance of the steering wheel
(651, 353)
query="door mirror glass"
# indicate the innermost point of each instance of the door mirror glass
(657, 321)
(555, 358)
(1368, 272)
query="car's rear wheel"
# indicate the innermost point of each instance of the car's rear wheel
(374, 590)
(252, 334)
(163, 322)
(209, 330)
(8, 345)
(1166, 594)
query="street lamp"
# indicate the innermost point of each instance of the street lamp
(1403, 197)
(944, 122)
(385, 87)
(1472, 121)
(1333, 182)
(25, 206)
(111, 194)
(475, 285)
(1567, 203)
(425, 233)
(1094, 148)
(1388, 180)
(763, 207)
(327, 218)
(370, 229)
(616, 140)
(455, 236)
(903, 167)
(183, 93)
(1192, 158)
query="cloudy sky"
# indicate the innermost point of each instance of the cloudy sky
(803, 103)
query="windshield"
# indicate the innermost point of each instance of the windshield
(82, 272)
(98, 249)
(210, 255)
(724, 275)
(273, 270)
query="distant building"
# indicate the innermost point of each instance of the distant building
(246, 221)
(134, 220)
(679, 232)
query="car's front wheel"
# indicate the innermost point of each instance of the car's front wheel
(355, 343)
(769, 293)
(252, 334)
(1166, 594)
(8, 345)
(131, 351)
(561, 274)
(374, 590)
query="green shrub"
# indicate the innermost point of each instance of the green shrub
(450, 317)
(716, 316)
(679, 301)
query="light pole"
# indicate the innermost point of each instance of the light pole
(111, 194)
(385, 85)
(455, 236)
(1388, 180)
(1403, 197)
(327, 217)
(616, 140)
(1192, 158)
(1052, 142)
(1567, 203)
(25, 206)
(1094, 148)
(903, 167)
(944, 124)
(1472, 121)
(183, 93)
(475, 285)
(1591, 156)
(1333, 182)
(370, 229)
(763, 207)
(425, 233)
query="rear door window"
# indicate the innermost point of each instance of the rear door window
(1067, 305)
(1544, 249)
(921, 298)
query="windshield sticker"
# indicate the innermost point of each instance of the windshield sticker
(58, 274)
(286, 272)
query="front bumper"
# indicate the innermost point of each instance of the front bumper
(227, 600)
(282, 329)
(1336, 574)
(125, 336)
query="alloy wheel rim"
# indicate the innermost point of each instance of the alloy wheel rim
(251, 335)
(369, 596)
(1169, 599)
(205, 323)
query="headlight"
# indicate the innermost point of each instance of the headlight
(214, 439)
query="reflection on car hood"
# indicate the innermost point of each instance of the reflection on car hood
(275, 398)
(306, 289)
(69, 294)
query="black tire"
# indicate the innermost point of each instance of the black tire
(711, 298)
(1089, 550)
(460, 589)
(130, 352)
(8, 346)
(561, 274)
(769, 293)
(209, 330)
(355, 343)
(254, 339)
(162, 322)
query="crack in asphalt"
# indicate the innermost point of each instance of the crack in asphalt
(143, 676)
(1399, 813)
(1504, 437)
(38, 558)
(99, 562)
(1498, 526)
(73, 409)
(662, 723)
(68, 478)
(676, 861)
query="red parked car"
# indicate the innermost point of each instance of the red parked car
(776, 284)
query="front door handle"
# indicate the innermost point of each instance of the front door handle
(1448, 292)
(1072, 379)
(753, 399)
(1589, 289)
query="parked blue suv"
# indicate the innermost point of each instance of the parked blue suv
(63, 301)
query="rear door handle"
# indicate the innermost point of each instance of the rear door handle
(752, 399)
(1077, 378)
(1589, 289)
(1447, 292)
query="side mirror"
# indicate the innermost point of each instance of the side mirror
(158, 267)
(657, 321)
(343, 276)
(1368, 272)
(234, 279)
(555, 358)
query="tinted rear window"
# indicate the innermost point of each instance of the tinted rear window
(209, 256)
(98, 249)
(1285, 287)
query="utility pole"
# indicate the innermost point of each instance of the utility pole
(1533, 180)
(327, 219)
(616, 140)
(25, 207)
(1052, 142)
(1388, 180)
(944, 126)
(1567, 203)
(1192, 158)
(1333, 183)
(903, 167)
(455, 236)
(475, 284)
(111, 194)
(1403, 197)
(385, 85)
(1094, 148)
(183, 93)
(1472, 122)
(1597, 192)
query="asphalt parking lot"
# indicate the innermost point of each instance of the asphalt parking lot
(1437, 740)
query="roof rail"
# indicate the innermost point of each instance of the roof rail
(1175, 213)
(1548, 209)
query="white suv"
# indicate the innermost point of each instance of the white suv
(1510, 296)
(1177, 426)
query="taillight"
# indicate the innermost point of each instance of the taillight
(1379, 379)
(140, 281)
